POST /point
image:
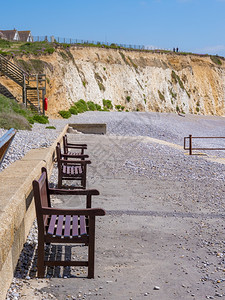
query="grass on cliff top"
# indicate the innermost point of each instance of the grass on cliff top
(13, 48)
(18, 48)
(15, 115)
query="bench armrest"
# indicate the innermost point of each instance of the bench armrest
(75, 156)
(73, 212)
(73, 192)
(76, 146)
(82, 162)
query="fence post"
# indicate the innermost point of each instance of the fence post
(190, 144)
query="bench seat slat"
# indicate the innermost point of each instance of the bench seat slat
(75, 226)
(51, 227)
(74, 153)
(82, 225)
(72, 171)
(78, 170)
(67, 225)
(59, 225)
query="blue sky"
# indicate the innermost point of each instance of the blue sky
(192, 25)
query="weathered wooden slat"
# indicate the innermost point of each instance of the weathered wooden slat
(67, 226)
(75, 226)
(72, 170)
(52, 224)
(59, 225)
(64, 169)
(82, 225)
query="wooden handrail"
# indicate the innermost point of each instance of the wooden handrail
(190, 147)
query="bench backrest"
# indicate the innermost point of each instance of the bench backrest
(58, 155)
(65, 144)
(5, 142)
(41, 197)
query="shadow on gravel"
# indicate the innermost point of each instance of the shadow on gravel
(27, 264)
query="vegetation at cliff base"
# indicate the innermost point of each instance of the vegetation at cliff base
(15, 115)
(81, 106)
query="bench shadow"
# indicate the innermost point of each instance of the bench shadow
(26, 267)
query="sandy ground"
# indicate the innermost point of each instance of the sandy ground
(163, 233)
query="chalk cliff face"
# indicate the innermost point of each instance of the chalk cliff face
(137, 80)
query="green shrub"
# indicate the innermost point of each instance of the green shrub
(50, 50)
(73, 110)
(128, 99)
(65, 114)
(50, 127)
(81, 106)
(122, 107)
(98, 107)
(4, 43)
(176, 79)
(107, 104)
(30, 120)
(197, 109)
(177, 108)
(216, 60)
(41, 119)
(161, 96)
(91, 106)
(118, 107)
(11, 120)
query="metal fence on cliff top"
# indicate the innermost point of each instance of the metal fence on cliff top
(53, 39)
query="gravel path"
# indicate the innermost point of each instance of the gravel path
(192, 186)
(168, 127)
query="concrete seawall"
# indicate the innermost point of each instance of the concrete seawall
(17, 210)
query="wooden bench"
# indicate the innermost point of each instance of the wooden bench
(56, 225)
(79, 148)
(71, 169)
(5, 142)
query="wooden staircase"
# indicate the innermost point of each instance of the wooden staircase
(33, 86)
(4, 91)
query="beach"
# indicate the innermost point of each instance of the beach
(163, 233)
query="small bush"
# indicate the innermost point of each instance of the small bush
(50, 127)
(41, 119)
(197, 109)
(98, 107)
(216, 60)
(128, 99)
(73, 110)
(50, 50)
(161, 96)
(107, 104)
(91, 106)
(118, 107)
(81, 106)
(11, 120)
(65, 114)
(122, 107)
